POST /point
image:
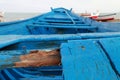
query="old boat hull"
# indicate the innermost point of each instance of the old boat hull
(14, 48)
(77, 38)
(58, 21)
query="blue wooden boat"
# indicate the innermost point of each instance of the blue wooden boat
(104, 60)
(86, 47)
(58, 21)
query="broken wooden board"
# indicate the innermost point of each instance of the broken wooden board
(35, 58)
(86, 60)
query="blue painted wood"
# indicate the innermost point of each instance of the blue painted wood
(45, 23)
(88, 61)
(12, 39)
(8, 59)
(108, 26)
(75, 54)
(7, 75)
(26, 73)
(44, 78)
(65, 26)
(58, 15)
(67, 62)
(61, 29)
(71, 55)
(61, 21)
(16, 27)
(111, 47)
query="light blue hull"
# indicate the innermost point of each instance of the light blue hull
(89, 49)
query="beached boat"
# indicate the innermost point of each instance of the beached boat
(105, 18)
(86, 47)
(98, 17)
(1, 16)
(58, 21)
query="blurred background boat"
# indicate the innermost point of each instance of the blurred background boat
(1, 16)
(103, 17)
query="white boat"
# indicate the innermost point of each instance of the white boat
(99, 17)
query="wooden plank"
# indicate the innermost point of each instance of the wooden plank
(34, 58)
(61, 24)
(112, 48)
(67, 62)
(64, 26)
(60, 21)
(89, 61)
(6, 40)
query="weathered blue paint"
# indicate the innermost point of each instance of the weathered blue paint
(109, 27)
(71, 55)
(86, 60)
(104, 65)
(57, 18)
(111, 47)
(66, 26)
(48, 23)
(13, 39)
(17, 27)
(31, 73)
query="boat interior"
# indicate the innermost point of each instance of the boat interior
(59, 28)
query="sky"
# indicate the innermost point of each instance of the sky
(80, 6)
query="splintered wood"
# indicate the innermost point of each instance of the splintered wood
(39, 58)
